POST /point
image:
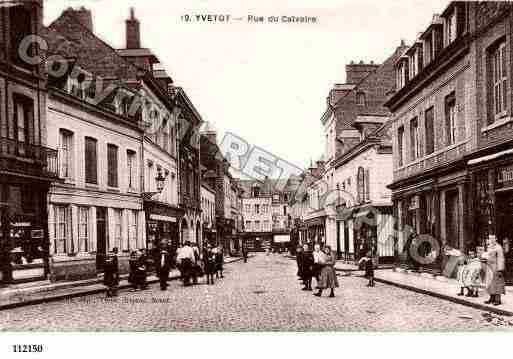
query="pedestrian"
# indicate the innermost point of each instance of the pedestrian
(328, 277)
(219, 262)
(494, 270)
(209, 260)
(245, 254)
(471, 275)
(299, 261)
(307, 268)
(368, 265)
(197, 271)
(132, 265)
(163, 265)
(186, 259)
(111, 273)
(317, 255)
(141, 270)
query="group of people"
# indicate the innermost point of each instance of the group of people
(318, 264)
(484, 271)
(190, 262)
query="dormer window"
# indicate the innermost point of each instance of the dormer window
(76, 86)
(415, 60)
(402, 73)
(450, 28)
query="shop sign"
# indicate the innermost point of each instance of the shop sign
(37, 233)
(505, 176)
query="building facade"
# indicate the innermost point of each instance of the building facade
(208, 214)
(27, 166)
(433, 127)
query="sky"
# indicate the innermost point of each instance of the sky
(265, 82)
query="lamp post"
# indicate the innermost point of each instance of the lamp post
(160, 181)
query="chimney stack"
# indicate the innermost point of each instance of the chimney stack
(84, 16)
(133, 35)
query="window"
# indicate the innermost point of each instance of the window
(112, 165)
(498, 62)
(248, 208)
(23, 120)
(450, 28)
(65, 153)
(117, 229)
(257, 226)
(360, 98)
(83, 229)
(256, 191)
(400, 141)
(402, 73)
(415, 139)
(21, 27)
(91, 161)
(131, 168)
(266, 226)
(257, 209)
(284, 210)
(248, 226)
(132, 230)
(430, 131)
(62, 242)
(450, 119)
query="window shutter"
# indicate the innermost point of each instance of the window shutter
(112, 165)
(367, 185)
(91, 166)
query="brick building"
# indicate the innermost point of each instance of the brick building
(27, 167)
(452, 131)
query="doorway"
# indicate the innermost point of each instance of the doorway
(101, 237)
(504, 211)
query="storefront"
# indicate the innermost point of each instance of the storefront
(162, 225)
(492, 183)
(316, 230)
(23, 230)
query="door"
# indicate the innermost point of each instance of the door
(505, 230)
(452, 216)
(346, 240)
(101, 237)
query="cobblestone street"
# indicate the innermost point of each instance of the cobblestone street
(262, 294)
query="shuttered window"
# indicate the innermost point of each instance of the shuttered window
(430, 131)
(91, 161)
(112, 165)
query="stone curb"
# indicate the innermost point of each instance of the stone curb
(81, 293)
(446, 297)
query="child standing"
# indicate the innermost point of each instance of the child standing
(368, 265)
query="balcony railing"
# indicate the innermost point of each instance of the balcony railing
(436, 159)
(28, 158)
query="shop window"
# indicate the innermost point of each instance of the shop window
(450, 119)
(91, 161)
(498, 80)
(66, 154)
(112, 165)
(430, 131)
(131, 160)
(83, 229)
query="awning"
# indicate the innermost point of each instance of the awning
(476, 161)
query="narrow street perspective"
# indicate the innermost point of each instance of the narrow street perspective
(261, 295)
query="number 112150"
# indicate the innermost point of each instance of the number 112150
(27, 348)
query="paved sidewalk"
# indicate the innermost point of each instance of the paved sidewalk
(40, 292)
(444, 288)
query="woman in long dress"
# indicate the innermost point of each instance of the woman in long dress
(494, 270)
(328, 277)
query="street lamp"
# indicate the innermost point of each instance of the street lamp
(160, 181)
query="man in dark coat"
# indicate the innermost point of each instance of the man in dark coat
(307, 267)
(299, 261)
(163, 266)
(245, 254)
(111, 273)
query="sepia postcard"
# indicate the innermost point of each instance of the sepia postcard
(255, 166)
